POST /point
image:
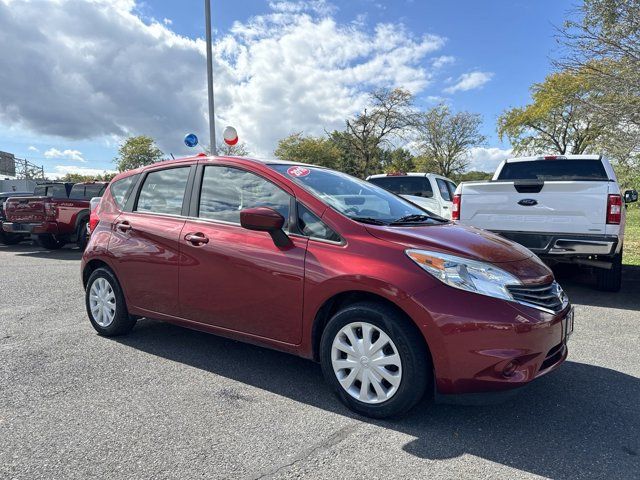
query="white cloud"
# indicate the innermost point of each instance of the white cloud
(469, 81)
(167, 21)
(487, 159)
(68, 154)
(96, 70)
(443, 61)
(33, 149)
(61, 170)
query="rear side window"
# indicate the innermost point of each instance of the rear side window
(445, 189)
(417, 186)
(121, 190)
(86, 192)
(225, 191)
(163, 191)
(554, 170)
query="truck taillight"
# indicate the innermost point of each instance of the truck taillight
(50, 210)
(455, 209)
(614, 209)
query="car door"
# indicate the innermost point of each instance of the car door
(234, 278)
(145, 241)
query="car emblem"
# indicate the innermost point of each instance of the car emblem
(528, 202)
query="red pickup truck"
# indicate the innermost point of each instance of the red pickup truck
(55, 215)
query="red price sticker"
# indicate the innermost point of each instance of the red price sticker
(298, 171)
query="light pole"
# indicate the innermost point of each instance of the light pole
(212, 124)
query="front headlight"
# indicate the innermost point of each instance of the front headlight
(471, 275)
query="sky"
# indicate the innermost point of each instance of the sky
(79, 76)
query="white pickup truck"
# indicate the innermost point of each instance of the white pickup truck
(563, 208)
(427, 190)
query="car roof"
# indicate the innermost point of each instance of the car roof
(553, 157)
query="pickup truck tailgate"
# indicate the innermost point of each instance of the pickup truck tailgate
(25, 209)
(546, 207)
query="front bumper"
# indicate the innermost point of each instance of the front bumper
(31, 228)
(483, 344)
(567, 244)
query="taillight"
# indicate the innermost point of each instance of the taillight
(614, 209)
(93, 221)
(50, 210)
(455, 209)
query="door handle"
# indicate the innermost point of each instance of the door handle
(196, 238)
(445, 207)
(124, 226)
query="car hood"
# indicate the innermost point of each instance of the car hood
(454, 239)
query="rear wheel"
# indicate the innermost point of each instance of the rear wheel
(375, 360)
(106, 305)
(610, 280)
(50, 242)
(83, 235)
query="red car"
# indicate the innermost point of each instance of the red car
(393, 301)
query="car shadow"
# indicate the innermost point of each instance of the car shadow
(28, 249)
(581, 418)
(579, 283)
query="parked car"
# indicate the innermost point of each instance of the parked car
(10, 238)
(564, 208)
(393, 301)
(427, 190)
(56, 214)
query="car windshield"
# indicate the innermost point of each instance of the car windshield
(355, 198)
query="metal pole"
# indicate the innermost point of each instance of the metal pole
(212, 124)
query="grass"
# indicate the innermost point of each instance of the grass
(632, 237)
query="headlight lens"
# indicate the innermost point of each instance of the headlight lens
(471, 275)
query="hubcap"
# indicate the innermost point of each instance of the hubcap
(366, 362)
(102, 301)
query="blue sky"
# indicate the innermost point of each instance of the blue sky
(503, 45)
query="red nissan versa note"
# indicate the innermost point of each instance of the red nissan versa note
(391, 299)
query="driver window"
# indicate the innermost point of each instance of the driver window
(225, 191)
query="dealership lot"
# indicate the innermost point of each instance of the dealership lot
(165, 402)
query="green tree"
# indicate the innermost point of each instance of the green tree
(445, 139)
(397, 160)
(136, 152)
(557, 119)
(308, 149)
(473, 175)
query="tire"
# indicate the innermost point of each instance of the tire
(415, 370)
(83, 237)
(610, 280)
(49, 242)
(9, 238)
(107, 321)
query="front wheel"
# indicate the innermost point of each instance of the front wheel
(50, 242)
(106, 305)
(9, 238)
(375, 360)
(610, 280)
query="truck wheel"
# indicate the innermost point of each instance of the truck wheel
(610, 280)
(49, 242)
(8, 238)
(83, 236)
(375, 360)
(106, 305)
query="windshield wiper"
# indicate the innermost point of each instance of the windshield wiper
(415, 218)
(372, 221)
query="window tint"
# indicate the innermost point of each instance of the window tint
(226, 191)
(121, 190)
(554, 170)
(55, 191)
(86, 192)
(311, 226)
(444, 189)
(163, 191)
(417, 186)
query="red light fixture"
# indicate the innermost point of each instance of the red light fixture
(614, 209)
(455, 209)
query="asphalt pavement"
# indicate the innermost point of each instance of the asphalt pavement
(167, 402)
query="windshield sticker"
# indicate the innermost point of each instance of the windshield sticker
(298, 171)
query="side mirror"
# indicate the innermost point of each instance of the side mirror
(265, 219)
(630, 196)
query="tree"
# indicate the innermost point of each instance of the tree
(445, 139)
(391, 114)
(78, 177)
(556, 120)
(472, 176)
(603, 44)
(309, 149)
(238, 150)
(398, 160)
(136, 152)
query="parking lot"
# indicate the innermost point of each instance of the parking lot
(166, 402)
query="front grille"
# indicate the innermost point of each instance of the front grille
(548, 297)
